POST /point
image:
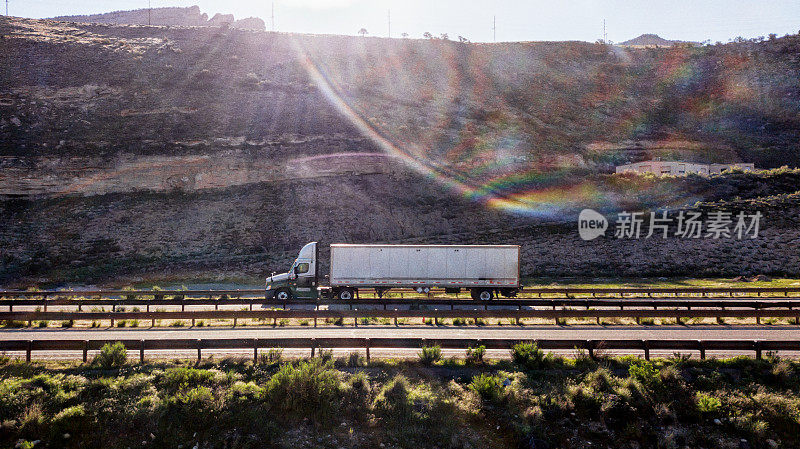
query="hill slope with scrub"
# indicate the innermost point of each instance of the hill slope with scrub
(138, 150)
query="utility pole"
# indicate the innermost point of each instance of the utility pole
(389, 18)
(6, 8)
(605, 36)
(494, 28)
(273, 16)
(149, 12)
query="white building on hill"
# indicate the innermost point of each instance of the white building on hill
(678, 168)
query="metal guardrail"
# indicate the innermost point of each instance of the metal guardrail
(591, 346)
(433, 302)
(243, 293)
(316, 314)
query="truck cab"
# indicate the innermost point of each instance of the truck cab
(302, 279)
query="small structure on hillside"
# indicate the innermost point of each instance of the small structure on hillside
(679, 168)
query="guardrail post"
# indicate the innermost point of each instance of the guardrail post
(255, 350)
(199, 349)
(141, 351)
(757, 345)
(85, 350)
(153, 323)
(646, 347)
(313, 347)
(44, 301)
(590, 348)
(702, 346)
(395, 317)
(28, 351)
(758, 317)
(112, 322)
(234, 321)
(315, 320)
(192, 322)
(366, 346)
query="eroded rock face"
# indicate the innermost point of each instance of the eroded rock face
(191, 16)
(134, 151)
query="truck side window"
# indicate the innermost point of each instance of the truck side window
(301, 268)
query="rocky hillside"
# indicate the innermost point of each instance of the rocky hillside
(130, 151)
(653, 40)
(190, 16)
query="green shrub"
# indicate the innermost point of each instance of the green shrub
(475, 355)
(304, 322)
(200, 323)
(644, 372)
(112, 355)
(459, 322)
(487, 386)
(273, 355)
(67, 323)
(527, 355)
(393, 402)
(308, 389)
(707, 404)
(13, 323)
(70, 420)
(177, 323)
(42, 323)
(183, 378)
(122, 323)
(354, 360)
(326, 355)
(429, 355)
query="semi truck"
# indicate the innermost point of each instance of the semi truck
(487, 271)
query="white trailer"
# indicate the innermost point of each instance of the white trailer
(485, 270)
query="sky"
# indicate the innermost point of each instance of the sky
(533, 20)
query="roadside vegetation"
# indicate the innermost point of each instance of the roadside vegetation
(533, 400)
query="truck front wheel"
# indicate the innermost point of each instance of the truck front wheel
(283, 294)
(482, 294)
(346, 294)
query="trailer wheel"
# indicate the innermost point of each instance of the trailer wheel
(346, 294)
(283, 294)
(481, 294)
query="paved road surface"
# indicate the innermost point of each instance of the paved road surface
(712, 332)
(716, 332)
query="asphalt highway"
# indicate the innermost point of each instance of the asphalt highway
(622, 332)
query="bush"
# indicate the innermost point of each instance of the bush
(644, 372)
(112, 355)
(13, 323)
(487, 386)
(393, 402)
(707, 405)
(308, 389)
(527, 355)
(274, 355)
(429, 355)
(475, 355)
(183, 378)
